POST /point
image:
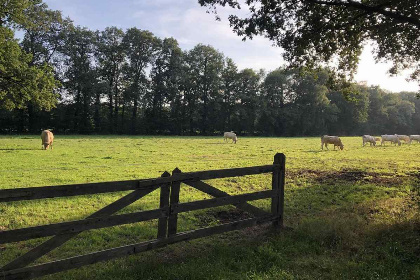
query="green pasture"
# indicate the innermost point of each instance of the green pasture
(351, 214)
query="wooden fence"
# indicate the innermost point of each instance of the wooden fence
(167, 215)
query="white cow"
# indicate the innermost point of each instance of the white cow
(405, 138)
(230, 135)
(390, 138)
(414, 137)
(335, 140)
(370, 139)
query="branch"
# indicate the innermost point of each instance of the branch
(376, 9)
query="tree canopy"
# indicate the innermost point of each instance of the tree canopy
(132, 82)
(313, 32)
(21, 79)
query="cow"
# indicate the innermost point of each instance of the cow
(367, 138)
(414, 137)
(404, 137)
(325, 140)
(47, 139)
(390, 138)
(230, 135)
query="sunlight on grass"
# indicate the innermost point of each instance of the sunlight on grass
(354, 213)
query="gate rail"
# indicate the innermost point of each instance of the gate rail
(167, 213)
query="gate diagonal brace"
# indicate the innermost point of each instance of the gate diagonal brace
(58, 240)
(208, 189)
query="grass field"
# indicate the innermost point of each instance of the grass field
(353, 214)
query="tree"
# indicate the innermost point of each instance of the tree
(316, 31)
(12, 12)
(378, 117)
(141, 48)
(352, 115)
(20, 80)
(44, 37)
(277, 92)
(109, 75)
(311, 104)
(110, 55)
(249, 91)
(165, 76)
(81, 75)
(44, 34)
(204, 69)
(399, 112)
(229, 87)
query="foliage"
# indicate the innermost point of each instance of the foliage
(12, 12)
(141, 47)
(203, 66)
(110, 55)
(44, 34)
(166, 76)
(130, 81)
(315, 31)
(80, 75)
(21, 81)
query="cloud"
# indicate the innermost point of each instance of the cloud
(191, 25)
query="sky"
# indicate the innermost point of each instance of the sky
(188, 22)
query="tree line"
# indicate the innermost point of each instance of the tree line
(114, 81)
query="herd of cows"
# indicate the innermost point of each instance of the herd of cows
(47, 138)
(336, 141)
(396, 139)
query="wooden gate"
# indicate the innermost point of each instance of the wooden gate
(167, 215)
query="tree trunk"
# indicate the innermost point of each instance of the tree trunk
(31, 117)
(76, 124)
(116, 107)
(111, 118)
(86, 122)
(97, 113)
(134, 117)
(123, 118)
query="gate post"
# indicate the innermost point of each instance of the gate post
(164, 202)
(173, 218)
(277, 202)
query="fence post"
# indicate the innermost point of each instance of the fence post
(277, 202)
(173, 218)
(164, 202)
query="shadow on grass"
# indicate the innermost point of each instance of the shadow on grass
(20, 149)
(322, 151)
(345, 230)
(337, 245)
(314, 151)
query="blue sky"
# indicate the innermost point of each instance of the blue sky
(188, 22)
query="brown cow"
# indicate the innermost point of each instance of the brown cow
(47, 138)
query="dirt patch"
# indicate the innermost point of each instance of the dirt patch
(221, 217)
(344, 175)
(415, 174)
(386, 179)
(353, 175)
(231, 216)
